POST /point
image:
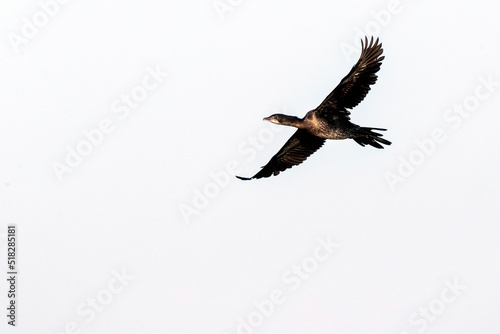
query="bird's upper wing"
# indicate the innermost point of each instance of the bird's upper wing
(355, 85)
(297, 149)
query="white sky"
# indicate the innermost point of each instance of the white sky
(133, 204)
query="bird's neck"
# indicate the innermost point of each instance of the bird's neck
(292, 121)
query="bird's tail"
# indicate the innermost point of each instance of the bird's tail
(365, 136)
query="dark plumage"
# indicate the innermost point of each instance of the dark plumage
(331, 119)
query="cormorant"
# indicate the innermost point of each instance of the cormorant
(331, 119)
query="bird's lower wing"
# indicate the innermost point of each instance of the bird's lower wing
(297, 149)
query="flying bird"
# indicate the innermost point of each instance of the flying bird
(331, 119)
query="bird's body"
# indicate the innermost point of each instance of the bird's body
(331, 119)
(327, 128)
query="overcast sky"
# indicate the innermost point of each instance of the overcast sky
(123, 124)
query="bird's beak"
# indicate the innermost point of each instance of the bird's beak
(267, 119)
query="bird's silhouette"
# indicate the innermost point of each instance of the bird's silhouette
(331, 119)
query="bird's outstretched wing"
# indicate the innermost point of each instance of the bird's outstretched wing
(355, 85)
(297, 149)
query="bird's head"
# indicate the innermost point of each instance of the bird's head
(276, 118)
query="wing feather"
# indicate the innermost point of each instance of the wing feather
(297, 149)
(356, 84)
